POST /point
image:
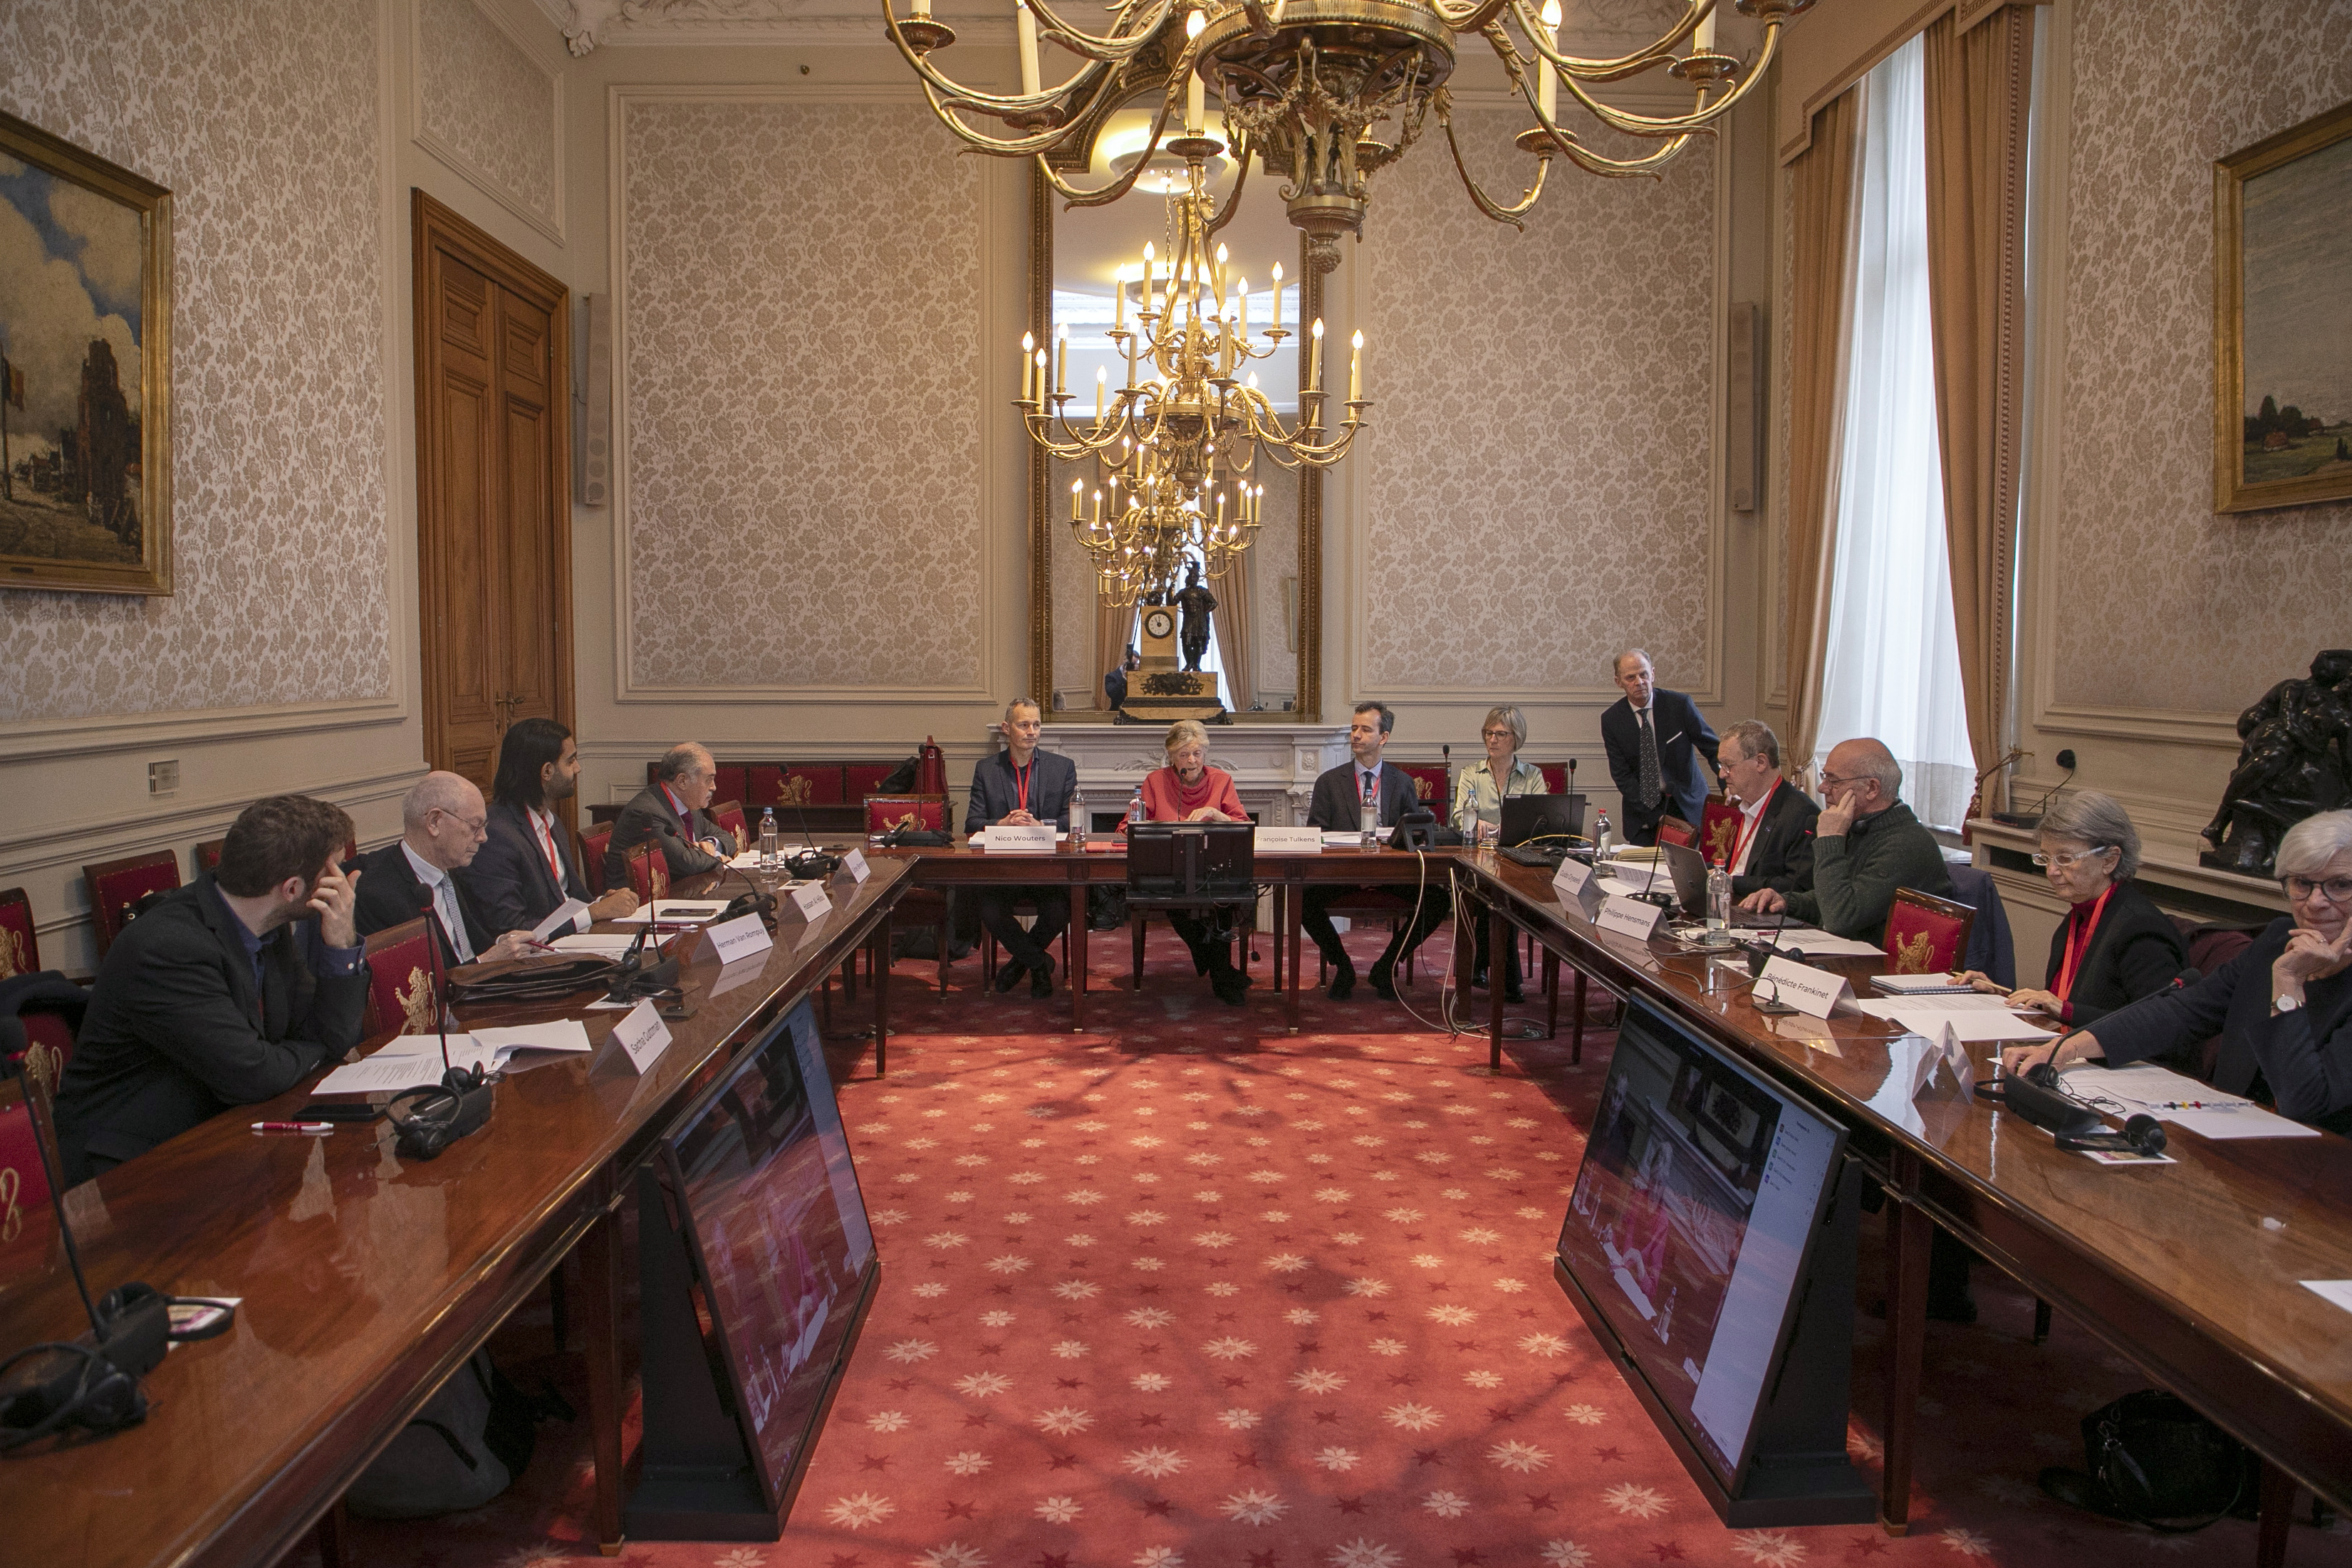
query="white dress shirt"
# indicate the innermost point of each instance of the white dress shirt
(445, 902)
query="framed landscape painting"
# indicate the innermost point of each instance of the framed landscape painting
(85, 369)
(2283, 318)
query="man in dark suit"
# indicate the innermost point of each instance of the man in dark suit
(671, 817)
(1025, 787)
(226, 992)
(1338, 805)
(525, 867)
(1773, 844)
(1655, 739)
(443, 823)
(1115, 682)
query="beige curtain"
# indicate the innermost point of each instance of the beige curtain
(1234, 624)
(1113, 629)
(1979, 91)
(1823, 175)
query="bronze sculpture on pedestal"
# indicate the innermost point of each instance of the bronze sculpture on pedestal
(2296, 761)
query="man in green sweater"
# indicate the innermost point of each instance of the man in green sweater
(1866, 844)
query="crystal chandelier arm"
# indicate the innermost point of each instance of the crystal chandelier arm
(1487, 205)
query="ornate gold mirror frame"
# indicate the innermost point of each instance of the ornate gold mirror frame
(1049, 534)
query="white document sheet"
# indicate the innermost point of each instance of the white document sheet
(1941, 986)
(1958, 1002)
(2336, 1291)
(1821, 945)
(571, 914)
(2237, 1122)
(607, 945)
(389, 1071)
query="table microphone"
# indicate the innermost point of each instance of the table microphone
(428, 1120)
(811, 862)
(755, 901)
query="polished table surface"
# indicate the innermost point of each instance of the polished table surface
(2191, 1270)
(366, 1278)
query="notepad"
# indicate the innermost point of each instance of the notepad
(1928, 985)
(413, 1061)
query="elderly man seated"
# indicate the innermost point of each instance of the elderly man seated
(1866, 844)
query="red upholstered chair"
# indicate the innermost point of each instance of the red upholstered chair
(1555, 778)
(1674, 830)
(649, 874)
(116, 887)
(1719, 834)
(924, 814)
(1430, 786)
(859, 779)
(729, 780)
(728, 814)
(20, 944)
(48, 1041)
(1926, 934)
(400, 980)
(24, 1178)
(763, 784)
(811, 784)
(206, 856)
(593, 845)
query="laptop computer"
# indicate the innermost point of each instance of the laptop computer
(1546, 817)
(1688, 869)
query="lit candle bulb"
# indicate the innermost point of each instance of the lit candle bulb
(1547, 85)
(1061, 359)
(1102, 386)
(1040, 362)
(1315, 358)
(1196, 110)
(1078, 489)
(1149, 273)
(1097, 519)
(1278, 296)
(1356, 369)
(1219, 277)
(922, 10)
(1241, 299)
(1703, 40)
(1026, 25)
(1118, 299)
(1028, 347)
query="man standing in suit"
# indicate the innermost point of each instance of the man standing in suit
(1115, 682)
(526, 868)
(1342, 794)
(226, 992)
(443, 823)
(1655, 739)
(669, 816)
(1866, 845)
(1023, 786)
(1773, 844)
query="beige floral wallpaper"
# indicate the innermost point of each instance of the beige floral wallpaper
(262, 117)
(804, 397)
(1538, 472)
(2165, 604)
(485, 101)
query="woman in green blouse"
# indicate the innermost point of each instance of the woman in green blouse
(1478, 804)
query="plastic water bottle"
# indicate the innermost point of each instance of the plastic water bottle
(768, 839)
(1078, 819)
(1602, 843)
(1370, 822)
(1719, 898)
(1135, 811)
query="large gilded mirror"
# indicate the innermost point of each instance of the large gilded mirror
(1264, 647)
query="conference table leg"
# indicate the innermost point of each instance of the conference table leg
(1576, 1030)
(1500, 934)
(599, 1321)
(879, 973)
(334, 1536)
(1296, 911)
(2277, 1511)
(1909, 1235)
(1078, 975)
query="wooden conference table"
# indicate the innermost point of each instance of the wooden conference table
(366, 1278)
(2191, 1270)
(1289, 874)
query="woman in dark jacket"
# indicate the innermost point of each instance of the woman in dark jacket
(2115, 945)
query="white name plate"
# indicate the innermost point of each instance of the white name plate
(1803, 987)
(853, 869)
(1019, 838)
(643, 1035)
(1572, 884)
(1289, 840)
(805, 900)
(735, 939)
(1630, 917)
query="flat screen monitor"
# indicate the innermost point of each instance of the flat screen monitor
(780, 1236)
(1547, 819)
(1701, 1192)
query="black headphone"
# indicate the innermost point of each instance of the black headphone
(76, 1385)
(426, 1121)
(2143, 1136)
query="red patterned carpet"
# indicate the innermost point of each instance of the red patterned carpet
(1188, 1293)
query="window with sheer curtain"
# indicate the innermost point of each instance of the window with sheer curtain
(1893, 669)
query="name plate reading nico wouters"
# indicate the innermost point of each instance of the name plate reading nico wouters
(1018, 838)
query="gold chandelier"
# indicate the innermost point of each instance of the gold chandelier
(1326, 92)
(1175, 449)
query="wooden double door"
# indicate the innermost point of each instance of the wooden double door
(493, 490)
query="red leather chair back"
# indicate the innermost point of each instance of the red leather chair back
(1719, 834)
(1674, 830)
(730, 779)
(400, 980)
(649, 874)
(115, 886)
(1555, 776)
(24, 1179)
(811, 784)
(924, 814)
(1926, 934)
(206, 855)
(1430, 787)
(20, 944)
(859, 779)
(593, 845)
(728, 814)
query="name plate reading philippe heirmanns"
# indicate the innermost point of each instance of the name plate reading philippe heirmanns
(805, 900)
(1000, 838)
(853, 869)
(735, 939)
(1803, 987)
(1288, 840)
(1630, 917)
(643, 1035)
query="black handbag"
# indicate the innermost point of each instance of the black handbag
(2155, 1461)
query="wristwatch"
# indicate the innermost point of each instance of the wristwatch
(2284, 1004)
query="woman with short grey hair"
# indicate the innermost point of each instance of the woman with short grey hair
(1478, 796)
(2115, 945)
(2282, 1008)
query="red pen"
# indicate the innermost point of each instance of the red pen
(293, 1126)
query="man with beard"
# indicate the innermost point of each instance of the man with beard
(226, 992)
(526, 867)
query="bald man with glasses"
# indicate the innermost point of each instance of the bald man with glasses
(443, 820)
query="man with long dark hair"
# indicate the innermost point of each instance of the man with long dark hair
(526, 867)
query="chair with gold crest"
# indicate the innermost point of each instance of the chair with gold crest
(117, 886)
(648, 873)
(400, 980)
(49, 1033)
(1719, 832)
(1674, 830)
(1926, 934)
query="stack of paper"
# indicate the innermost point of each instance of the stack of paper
(2170, 1097)
(675, 911)
(1821, 945)
(1968, 1017)
(608, 944)
(1924, 985)
(413, 1061)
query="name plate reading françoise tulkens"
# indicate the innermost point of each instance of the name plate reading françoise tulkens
(1289, 840)
(1629, 917)
(643, 1035)
(1019, 838)
(1803, 987)
(734, 939)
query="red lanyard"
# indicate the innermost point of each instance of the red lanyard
(547, 839)
(1021, 781)
(2078, 942)
(1747, 829)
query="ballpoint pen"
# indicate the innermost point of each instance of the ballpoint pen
(293, 1126)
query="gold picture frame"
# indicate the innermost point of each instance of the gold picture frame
(85, 369)
(2281, 386)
